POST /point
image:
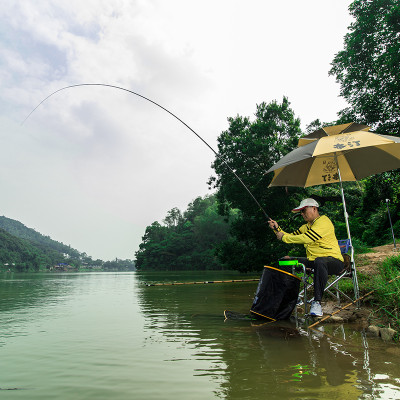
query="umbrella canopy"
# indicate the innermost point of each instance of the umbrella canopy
(336, 158)
(332, 130)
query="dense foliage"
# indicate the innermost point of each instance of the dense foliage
(368, 66)
(20, 255)
(368, 72)
(387, 296)
(370, 217)
(250, 148)
(187, 240)
(18, 229)
(30, 250)
(118, 265)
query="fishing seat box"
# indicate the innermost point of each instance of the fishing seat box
(276, 294)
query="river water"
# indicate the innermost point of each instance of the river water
(109, 336)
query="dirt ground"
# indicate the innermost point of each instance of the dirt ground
(367, 264)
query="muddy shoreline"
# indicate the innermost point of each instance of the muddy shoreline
(363, 316)
(366, 315)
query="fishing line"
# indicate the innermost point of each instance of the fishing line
(169, 112)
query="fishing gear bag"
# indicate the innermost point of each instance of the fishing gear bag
(276, 294)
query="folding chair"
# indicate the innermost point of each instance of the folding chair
(332, 287)
(350, 272)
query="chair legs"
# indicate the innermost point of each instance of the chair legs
(332, 288)
(303, 295)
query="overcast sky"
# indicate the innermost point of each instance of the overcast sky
(93, 166)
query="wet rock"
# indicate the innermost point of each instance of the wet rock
(374, 330)
(387, 334)
(353, 318)
(335, 318)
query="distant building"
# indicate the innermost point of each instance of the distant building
(63, 267)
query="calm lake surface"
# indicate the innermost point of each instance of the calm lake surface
(109, 336)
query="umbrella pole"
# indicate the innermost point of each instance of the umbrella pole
(390, 220)
(346, 217)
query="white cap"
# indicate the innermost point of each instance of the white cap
(306, 203)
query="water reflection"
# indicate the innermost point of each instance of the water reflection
(105, 335)
(22, 297)
(27, 290)
(281, 360)
(286, 365)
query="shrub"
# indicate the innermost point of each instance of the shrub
(387, 288)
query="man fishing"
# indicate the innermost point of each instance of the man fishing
(322, 249)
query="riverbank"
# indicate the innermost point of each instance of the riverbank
(374, 271)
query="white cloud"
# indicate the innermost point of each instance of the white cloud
(97, 165)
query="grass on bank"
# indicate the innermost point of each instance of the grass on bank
(385, 300)
(386, 297)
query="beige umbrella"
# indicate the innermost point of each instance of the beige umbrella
(332, 130)
(337, 158)
(337, 154)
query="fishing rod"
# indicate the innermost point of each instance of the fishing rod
(169, 112)
(201, 282)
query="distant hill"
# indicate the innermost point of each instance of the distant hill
(21, 255)
(21, 231)
(23, 249)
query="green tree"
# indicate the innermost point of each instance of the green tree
(250, 148)
(368, 67)
(197, 207)
(372, 220)
(368, 72)
(186, 241)
(173, 218)
(151, 253)
(119, 265)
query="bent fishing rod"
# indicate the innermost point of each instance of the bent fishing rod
(169, 112)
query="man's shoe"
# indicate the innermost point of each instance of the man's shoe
(316, 309)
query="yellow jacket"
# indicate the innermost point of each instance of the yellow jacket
(318, 238)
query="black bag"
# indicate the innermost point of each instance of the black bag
(276, 294)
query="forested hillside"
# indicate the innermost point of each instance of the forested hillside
(20, 255)
(47, 244)
(24, 249)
